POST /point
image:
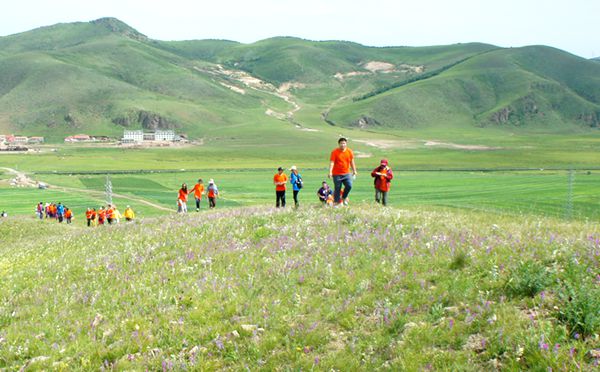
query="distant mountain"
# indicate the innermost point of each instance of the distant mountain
(103, 76)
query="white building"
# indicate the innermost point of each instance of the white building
(164, 135)
(133, 136)
(140, 136)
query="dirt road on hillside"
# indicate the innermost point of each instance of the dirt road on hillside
(23, 180)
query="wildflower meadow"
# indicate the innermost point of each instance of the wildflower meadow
(257, 288)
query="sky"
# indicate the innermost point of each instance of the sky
(568, 25)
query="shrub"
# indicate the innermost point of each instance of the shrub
(459, 261)
(528, 279)
(579, 309)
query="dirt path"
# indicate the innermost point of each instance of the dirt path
(26, 181)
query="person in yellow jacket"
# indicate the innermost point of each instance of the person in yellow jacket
(128, 214)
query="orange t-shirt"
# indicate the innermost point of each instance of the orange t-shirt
(280, 178)
(341, 161)
(182, 195)
(198, 190)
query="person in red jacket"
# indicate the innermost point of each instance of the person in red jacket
(383, 176)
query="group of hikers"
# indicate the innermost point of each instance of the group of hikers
(109, 215)
(94, 217)
(342, 170)
(59, 212)
(212, 193)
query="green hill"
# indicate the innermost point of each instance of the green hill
(103, 76)
(536, 87)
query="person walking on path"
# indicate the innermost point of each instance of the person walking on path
(182, 199)
(39, 210)
(68, 215)
(297, 183)
(101, 215)
(340, 163)
(88, 216)
(213, 193)
(383, 176)
(110, 214)
(279, 180)
(60, 212)
(198, 192)
(129, 214)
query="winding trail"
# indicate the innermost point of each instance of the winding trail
(22, 175)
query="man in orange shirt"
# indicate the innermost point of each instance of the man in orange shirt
(340, 162)
(280, 179)
(198, 191)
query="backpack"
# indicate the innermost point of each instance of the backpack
(299, 182)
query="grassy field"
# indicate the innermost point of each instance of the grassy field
(358, 288)
(549, 193)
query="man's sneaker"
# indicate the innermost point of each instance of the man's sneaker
(197, 209)
(345, 202)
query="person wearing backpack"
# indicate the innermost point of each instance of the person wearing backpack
(297, 184)
(213, 193)
(383, 176)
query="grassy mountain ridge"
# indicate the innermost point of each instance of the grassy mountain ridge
(537, 86)
(101, 76)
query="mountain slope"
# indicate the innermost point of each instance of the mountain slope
(531, 86)
(103, 76)
(100, 80)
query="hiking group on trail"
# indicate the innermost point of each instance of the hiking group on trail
(55, 211)
(198, 190)
(109, 215)
(342, 171)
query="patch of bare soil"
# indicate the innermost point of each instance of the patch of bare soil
(460, 147)
(390, 144)
(20, 179)
(376, 66)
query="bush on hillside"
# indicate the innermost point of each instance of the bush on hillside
(527, 279)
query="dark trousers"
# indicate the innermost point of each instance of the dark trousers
(280, 198)
(198, 203)
(296, 197)
(211, 202)
(381, 196)
(338, 181)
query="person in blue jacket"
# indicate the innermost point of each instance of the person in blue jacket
(296, 181)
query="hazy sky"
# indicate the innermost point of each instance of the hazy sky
(569, 25)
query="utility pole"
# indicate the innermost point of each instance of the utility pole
(569, 203)
(108, 189)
